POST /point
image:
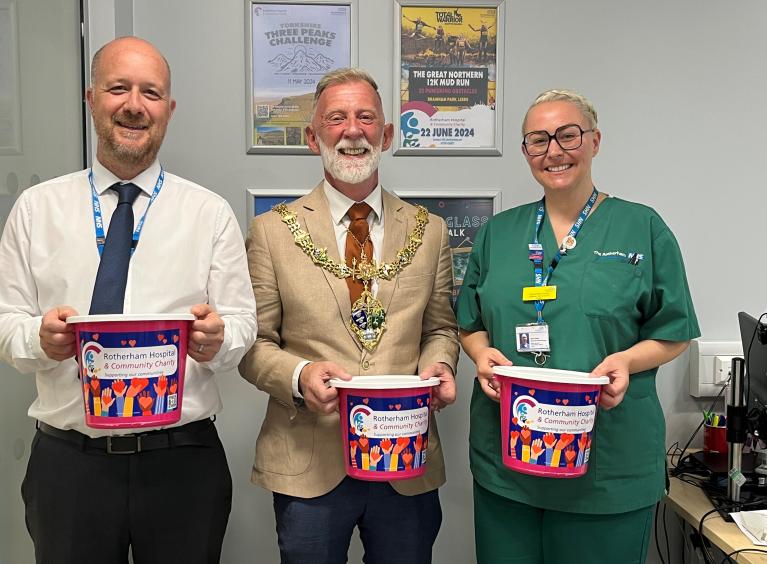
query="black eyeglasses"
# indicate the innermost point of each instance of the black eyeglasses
(568, 137)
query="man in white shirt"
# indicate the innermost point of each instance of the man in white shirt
(318, 320)
(165, 492)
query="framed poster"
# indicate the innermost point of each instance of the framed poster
(10, 99)
(261, 200)
(448, 83)
(464, 212)
(290, 46)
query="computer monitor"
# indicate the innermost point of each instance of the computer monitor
(755, 353)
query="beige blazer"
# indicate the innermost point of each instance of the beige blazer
(303, 314)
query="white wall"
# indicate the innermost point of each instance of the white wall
(49, 58)
(679, 87)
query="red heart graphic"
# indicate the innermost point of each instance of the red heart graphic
(165, 341)
(161, 337)
(123, 342)
(132, 342)
(365, 401)
(557, 400)
(531, 392)
(95, 336)
(391, 406)
(420, 401)
(514, 421)
(398, 405)
(175, 338)
(565, 401)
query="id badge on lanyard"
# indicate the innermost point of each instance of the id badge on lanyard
(534, 337)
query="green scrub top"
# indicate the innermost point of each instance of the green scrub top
(606, 302)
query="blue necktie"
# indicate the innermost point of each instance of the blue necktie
(112, 276)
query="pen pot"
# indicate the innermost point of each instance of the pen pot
(714, 439)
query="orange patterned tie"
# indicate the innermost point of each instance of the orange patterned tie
(358, 239)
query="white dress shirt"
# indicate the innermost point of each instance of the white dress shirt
(339, 206)
(190, 251)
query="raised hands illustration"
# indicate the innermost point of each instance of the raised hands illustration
(514, 437)
(417, 445)
(549, 440)
(160, 388)
(136, 385)
(407, 459)
(386, 447)
(375, 457)
(106, 401)
(145, 401)
(535, 450)
(353, 453)
(570, 456)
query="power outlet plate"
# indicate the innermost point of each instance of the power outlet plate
(706, 378)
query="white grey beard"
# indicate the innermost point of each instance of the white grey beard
(348, 170)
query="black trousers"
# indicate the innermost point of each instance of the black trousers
(394, 528)
(170, 504)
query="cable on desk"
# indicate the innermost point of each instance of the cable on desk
(728, 557)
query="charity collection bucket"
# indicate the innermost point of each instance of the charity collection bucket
(131, 368)
(385, 425)
(547, 419)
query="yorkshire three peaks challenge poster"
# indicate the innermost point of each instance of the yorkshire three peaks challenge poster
(292, 47)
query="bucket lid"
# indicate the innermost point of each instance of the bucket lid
(384, 382)
(112, 317)
(549, 375)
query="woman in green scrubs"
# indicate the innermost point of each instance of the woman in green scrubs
(622, 308)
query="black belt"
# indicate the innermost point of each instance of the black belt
(184, 435)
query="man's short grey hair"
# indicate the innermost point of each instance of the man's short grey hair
(343, 76)
(578, 100)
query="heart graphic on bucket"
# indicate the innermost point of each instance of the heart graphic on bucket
(547, 419)
(132, 375)
(385, 425)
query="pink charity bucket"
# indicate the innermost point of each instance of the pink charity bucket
(547, 419)
(132, 368)
(385, 425)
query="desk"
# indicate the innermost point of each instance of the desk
(690, 503)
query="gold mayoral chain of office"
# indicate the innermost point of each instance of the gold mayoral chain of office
(368, 317)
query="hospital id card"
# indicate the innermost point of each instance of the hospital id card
(533, 337)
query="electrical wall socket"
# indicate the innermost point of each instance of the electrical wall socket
(706, 376)
(722, 368)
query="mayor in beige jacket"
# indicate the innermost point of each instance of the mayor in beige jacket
(306, 300)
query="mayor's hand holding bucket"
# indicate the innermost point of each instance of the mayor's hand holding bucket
(206, 335)
(313, 384)
(616, 367)
(443, 394)
(57, 338)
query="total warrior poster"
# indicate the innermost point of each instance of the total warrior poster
(448, 76)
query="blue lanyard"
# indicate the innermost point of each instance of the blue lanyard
(536, 249)
(98, 220)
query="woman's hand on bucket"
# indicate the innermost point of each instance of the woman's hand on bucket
(616, 367)
(313, 385)
(443, 394)
(486, 360)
